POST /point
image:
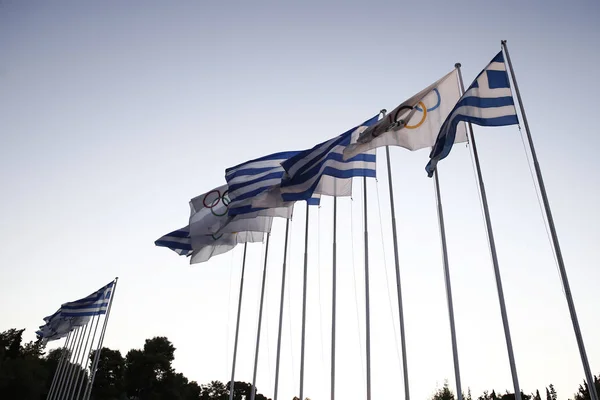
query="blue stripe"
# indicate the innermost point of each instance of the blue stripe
(313, 201)
(236, 186)
(247, 209)
(484, 102)
(284, 155)
(249, 171)
(173, 245)
(86, 314)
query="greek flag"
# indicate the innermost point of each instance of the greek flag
(487, 102)
(58, 326)
(251, 179)
(324, 166)
(179, 241)
(94, 304)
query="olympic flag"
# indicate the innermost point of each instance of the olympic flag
(209, 215)
(415, 123)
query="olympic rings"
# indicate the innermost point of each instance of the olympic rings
(425, 110)
(220, 198)
(216, 237)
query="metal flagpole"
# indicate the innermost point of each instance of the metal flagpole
(285, 248)
(397, 262)
(367, 304)
(438, 198)
(76, 366)
(59, 367)
(262, 296)
(83, 357)
(304, 305)
(237, 325)
(492, 243)
(333, 297)
(94, 366)
(561, 265)
(66, 368)
(88, 357)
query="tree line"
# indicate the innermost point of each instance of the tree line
(26, 372)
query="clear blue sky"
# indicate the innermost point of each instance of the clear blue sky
(114, 114)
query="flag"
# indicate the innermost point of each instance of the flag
(324, 165)
(415, 123)
(58, 326)
(209, 215)
(94, 304)
(487, 102)
(251, 179)
(202, 247)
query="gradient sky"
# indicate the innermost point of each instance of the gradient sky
(114, 114)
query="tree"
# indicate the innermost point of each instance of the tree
(583, 393)
(108, 382)
(444, 393)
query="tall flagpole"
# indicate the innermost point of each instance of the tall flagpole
(448, 285)
(84, 356)
(304, 305)
(397, 263)
(94, 365)
(88, 357)
(561, 265)
(59, 367)
(76, 366)
(492, 243)
(262, 296)
(333, 297)
(237, 325)
(367, 304)
(66, 367)
(284, 267)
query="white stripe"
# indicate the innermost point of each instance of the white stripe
(257, 164)
(496, 66)
(249, 188)
(485, 113)
(246, 178)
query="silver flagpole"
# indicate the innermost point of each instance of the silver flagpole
(88, 357)
(304, 305)
(76, 366)
(83, 357)
(367, 303)
(100, 342)
(59, 367)
(492, 243)
(67, 366)
(237, 325)
(440, 211)
(561, 265)
(333, 297)
(397, 262)
(285, 248)
(262, 297)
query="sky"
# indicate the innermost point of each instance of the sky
(113, 115)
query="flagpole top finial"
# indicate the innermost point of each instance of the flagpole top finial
(457, 65)
(383, 111)
(503, 41)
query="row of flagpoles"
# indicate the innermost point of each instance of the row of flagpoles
(258, 190)
(78, 321)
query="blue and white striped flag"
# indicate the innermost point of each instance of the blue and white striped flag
(252, 179)
(58, 326)
(202, 247)
(323, 167)
(487, 102)
(94, 304)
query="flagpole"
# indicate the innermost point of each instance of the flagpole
(237, 325)
(75, 372)
(561, 265)
(304, 305)
(66, 368)
(88, 356)
(397, 263)
(284, 267)
(492, 244)
(367, 303)
(100, 342)
(333, 297)
(58, 367)
(262, 296)
(448, 285)
(85, 346)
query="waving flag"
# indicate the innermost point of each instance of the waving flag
(94, 304)
(209, 215)
(415, 123)
(249, 180)
(324, 165)
(487, 102)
